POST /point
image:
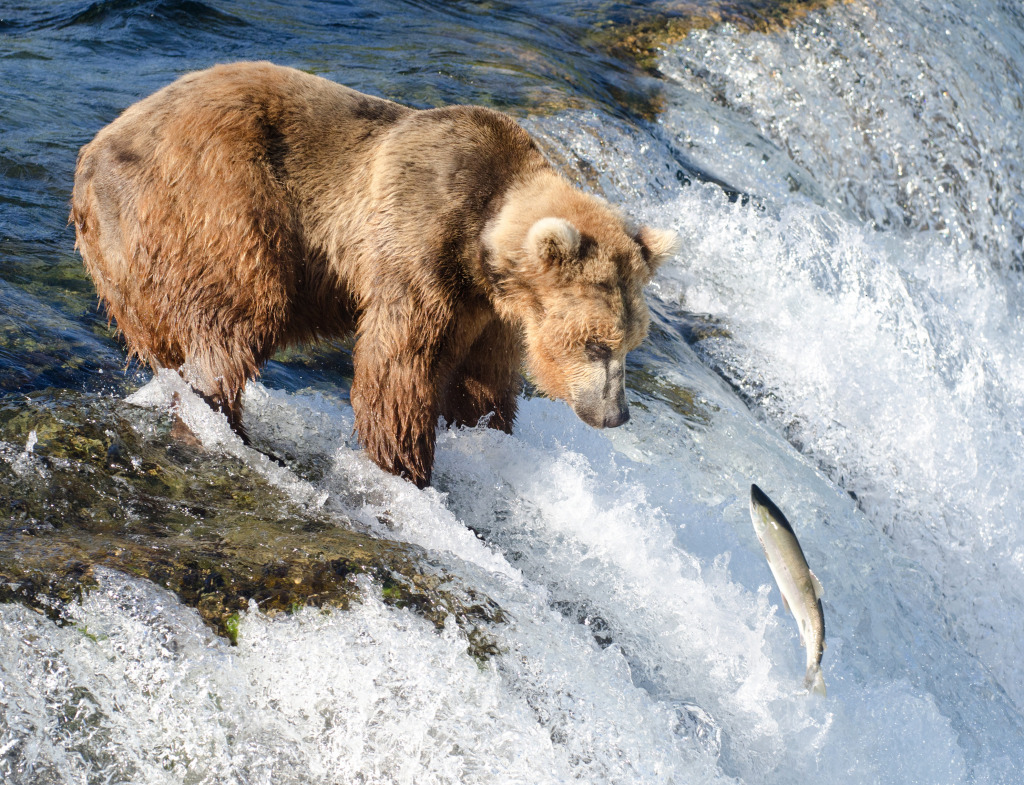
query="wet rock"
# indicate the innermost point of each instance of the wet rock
(91, 482)
(636, 33)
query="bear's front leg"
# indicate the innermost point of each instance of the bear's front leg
(394, 394)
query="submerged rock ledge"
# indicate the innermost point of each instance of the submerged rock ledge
(92, 482)
(636, 37)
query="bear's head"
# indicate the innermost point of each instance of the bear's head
(571, 270)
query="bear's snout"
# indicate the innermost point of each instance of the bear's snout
(617, 418)
(602, 404)
(603, 414)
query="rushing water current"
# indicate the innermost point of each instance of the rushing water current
(843, 327)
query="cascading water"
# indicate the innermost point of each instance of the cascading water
(882, 330)
(846, 334)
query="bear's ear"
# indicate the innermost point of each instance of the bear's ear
(553, 241)
(657, 246)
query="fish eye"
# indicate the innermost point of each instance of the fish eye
(597, 351)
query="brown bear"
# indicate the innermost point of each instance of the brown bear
(251, 206)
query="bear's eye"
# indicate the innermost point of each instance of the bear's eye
(597, 351)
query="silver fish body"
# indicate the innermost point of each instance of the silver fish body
(801, 590)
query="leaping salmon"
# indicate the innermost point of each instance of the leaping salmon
(801, 590)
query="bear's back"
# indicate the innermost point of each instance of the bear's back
(247, 111)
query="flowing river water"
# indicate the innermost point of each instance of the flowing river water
(843, 327)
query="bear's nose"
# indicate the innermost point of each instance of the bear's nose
(617, 418)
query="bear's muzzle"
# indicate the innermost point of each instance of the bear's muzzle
(602, 403)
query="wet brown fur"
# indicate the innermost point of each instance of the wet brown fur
(250, 206)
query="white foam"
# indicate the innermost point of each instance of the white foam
(372, 694)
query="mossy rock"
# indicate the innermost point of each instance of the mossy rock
(636, 34)
(92, 482)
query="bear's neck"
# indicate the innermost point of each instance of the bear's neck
(502, 259)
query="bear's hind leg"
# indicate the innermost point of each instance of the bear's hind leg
(230, 405)
(218, 371)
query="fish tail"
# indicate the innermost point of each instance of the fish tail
(814, 681)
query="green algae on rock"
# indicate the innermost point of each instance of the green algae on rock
(93, 485)
(631, 34)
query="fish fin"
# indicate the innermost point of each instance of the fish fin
(785, 605)
(814, 681)
(818, 591)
